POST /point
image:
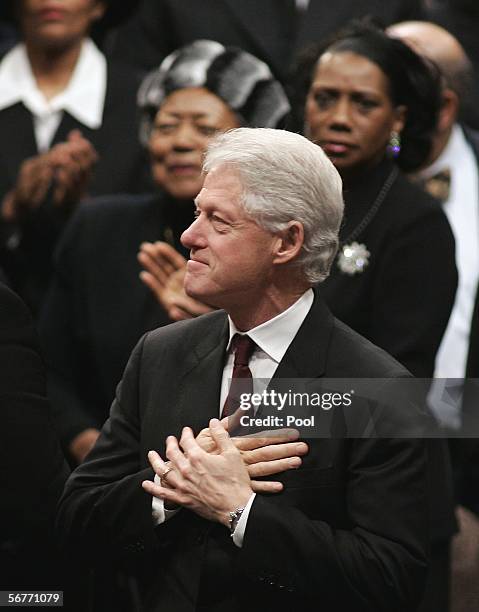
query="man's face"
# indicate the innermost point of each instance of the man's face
(231, 257)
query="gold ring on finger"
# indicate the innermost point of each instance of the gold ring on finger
(163, 476)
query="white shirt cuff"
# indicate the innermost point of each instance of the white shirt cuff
(158, 510)
(238, 533)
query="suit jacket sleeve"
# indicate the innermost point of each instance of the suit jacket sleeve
(104, 508)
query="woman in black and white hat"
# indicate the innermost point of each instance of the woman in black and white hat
(104, 297)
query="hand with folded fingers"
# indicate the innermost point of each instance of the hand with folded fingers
(164, 272)
(211, 485)
(264, 453)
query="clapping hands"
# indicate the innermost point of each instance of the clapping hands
(164, 272)
(66, 169)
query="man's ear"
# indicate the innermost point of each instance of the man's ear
(449, 110)
(290, 241)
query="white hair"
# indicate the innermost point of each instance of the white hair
(285, 177)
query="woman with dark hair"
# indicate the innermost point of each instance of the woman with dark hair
(372, 105)
(103, 297)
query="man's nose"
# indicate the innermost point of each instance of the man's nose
(191, 237)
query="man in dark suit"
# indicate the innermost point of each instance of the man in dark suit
(348, 528)
(32, 467)
(270, 29)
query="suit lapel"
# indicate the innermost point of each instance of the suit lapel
(200, 386)
(307, 355)
(307, 358)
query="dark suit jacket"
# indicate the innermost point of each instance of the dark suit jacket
(348, 532)
(97, 307)
(32, 467)
(122, 168)
(402, 299)
(265, 28)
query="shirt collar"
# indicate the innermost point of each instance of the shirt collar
(274, 336)
(83, 98)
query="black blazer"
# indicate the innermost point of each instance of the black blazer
(265, 28)
(348, 532)
(32, 467)
(97, 307)
(403, 298)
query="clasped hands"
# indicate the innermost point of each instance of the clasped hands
(66, 168)
(164, 272)
(213, 474)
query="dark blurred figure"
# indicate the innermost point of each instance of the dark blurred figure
(461, 18)
(270, 29)
(105, 294)
(64, 114)
(32, 467)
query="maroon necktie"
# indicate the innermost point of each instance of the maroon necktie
(242, 379)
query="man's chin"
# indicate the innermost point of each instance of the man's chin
(199, 294)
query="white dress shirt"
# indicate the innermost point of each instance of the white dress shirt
(83, 98)
(462, 210)
(272, 339)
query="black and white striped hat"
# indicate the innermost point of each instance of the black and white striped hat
(241, 80)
